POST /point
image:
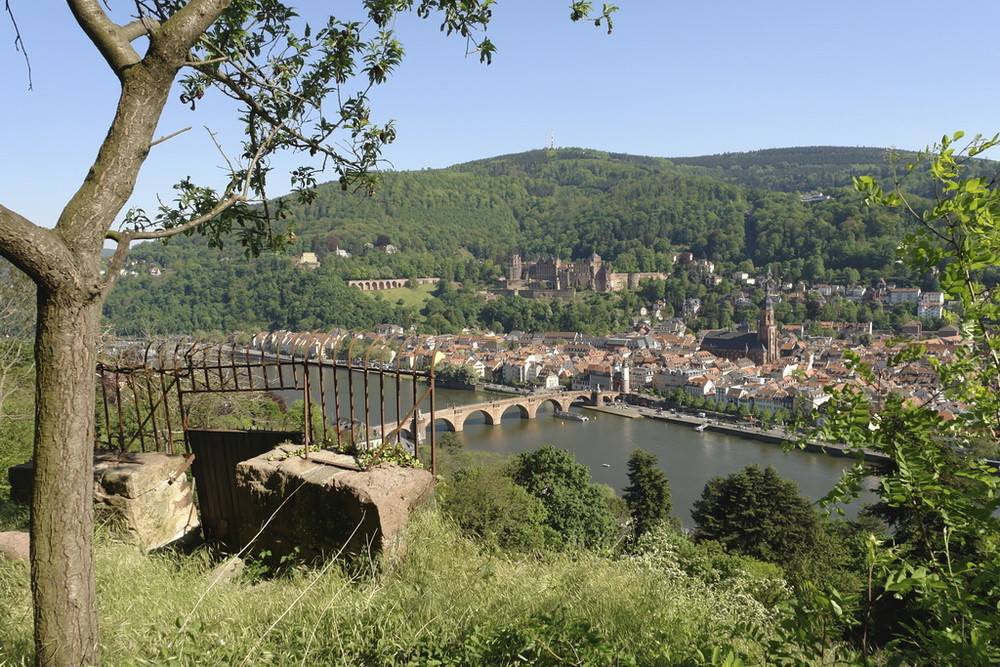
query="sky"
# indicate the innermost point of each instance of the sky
(674, 79)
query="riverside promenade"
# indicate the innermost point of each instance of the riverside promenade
(775, 436)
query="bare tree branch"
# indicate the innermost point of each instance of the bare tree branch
(139, 28)
(169, 136)
(19, 41)
(37, 251)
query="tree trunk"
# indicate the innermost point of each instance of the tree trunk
(62, 506)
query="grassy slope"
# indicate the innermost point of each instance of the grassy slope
(412, 298)
(447, 600)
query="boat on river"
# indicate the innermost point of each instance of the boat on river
(701, 427)
(575, 416)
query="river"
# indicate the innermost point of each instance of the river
(688, 458)
(603, 444)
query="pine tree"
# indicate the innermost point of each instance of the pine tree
(757, 513)
(647, 495)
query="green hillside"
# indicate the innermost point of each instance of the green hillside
(801, 169)
(462, 223)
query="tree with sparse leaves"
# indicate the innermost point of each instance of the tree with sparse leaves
(932, 594)
(298, 88)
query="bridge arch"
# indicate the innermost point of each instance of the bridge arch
(523, 411)
(557, 404)
(449, 424)
(454, 418)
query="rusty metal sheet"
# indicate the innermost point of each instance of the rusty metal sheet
(216, 453)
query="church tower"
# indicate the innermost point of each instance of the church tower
(767, 331)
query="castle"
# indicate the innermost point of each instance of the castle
(592, 273)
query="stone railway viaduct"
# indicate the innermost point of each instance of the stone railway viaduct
(388, 283)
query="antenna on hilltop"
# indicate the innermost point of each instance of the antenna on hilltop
(550, 140)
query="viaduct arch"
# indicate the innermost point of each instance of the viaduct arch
(376, 284)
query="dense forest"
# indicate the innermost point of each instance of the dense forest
(462, 224)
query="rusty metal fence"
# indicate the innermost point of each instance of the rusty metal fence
(355, 389)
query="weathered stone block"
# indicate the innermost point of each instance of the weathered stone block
(141, 495)
(324, 509)
(15, 545)
(145, 496)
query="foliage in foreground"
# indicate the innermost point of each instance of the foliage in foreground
(933, 590)
(446, 601)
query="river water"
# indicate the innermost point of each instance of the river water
(689, 458)
(603, 444)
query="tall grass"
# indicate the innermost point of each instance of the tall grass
(446, 600)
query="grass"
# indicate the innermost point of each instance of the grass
(447, 601)
(412, 298)
(13, 516)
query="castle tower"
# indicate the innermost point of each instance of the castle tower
(514, 272)
(767, 331)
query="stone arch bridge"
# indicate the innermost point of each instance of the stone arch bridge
(454, 417)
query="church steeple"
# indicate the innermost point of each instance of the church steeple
(767, 331)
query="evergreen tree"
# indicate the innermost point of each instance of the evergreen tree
(647, 495)
(757, 513)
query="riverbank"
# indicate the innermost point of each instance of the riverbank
(608, 410)
(774, 436)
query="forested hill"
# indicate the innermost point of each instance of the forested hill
(800, 169)
(463, 223)
(635, 211)
(568, 203)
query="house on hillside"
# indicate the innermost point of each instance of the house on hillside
(307, 260)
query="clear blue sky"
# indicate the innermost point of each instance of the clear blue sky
(674, 79)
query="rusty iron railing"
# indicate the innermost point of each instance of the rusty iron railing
(146, 389)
